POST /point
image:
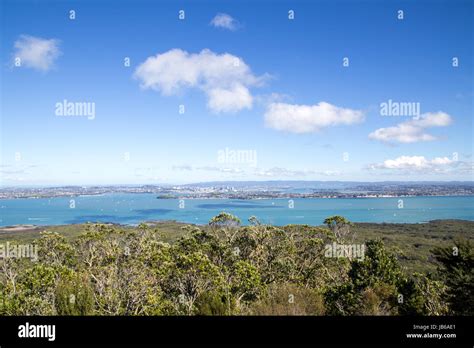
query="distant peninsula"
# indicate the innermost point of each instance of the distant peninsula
(257, 190)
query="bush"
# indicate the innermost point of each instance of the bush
(289, 299)
(457, 270)
(74, 296)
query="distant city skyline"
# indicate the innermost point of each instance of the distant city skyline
(167, 93)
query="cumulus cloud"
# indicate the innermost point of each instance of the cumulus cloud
(225, 79)
(309, 118)
(412, 162)
(36, 53)
(223, 20)
(229, 99)
(414, 130)
(417, 164)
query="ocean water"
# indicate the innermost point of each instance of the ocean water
(136, 208)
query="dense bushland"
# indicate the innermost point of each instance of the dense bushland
(228, 269)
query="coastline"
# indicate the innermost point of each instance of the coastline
(285, 196)
(153, 223)
(254, 190)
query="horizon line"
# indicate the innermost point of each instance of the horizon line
(233, 181)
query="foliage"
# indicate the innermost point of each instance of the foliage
(289, 299)
(423, 296)
(457, 270)
(227, 269)
(224, 219)
(339, 225)
(74, 296)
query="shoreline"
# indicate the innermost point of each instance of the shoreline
(29, 227)
(288, 196)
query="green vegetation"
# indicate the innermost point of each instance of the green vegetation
(228, 269)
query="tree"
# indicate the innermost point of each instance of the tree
(457, 270)
(371, 287)
(224, 219)
(254, 221)
(270, 249)
(53, 249)
(244, 282)
(74, 296)
(10, 270)
(288, 299)
(37, 286)
(421, 295)
(193, 275)
(227, 224)
(340, 226)
(377, 266)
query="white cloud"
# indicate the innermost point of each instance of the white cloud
(228, 100)
(265, 99)
(441, 161)
(223, 20)
(36, 53)
(309, 118)
(414, 130)
(416, 162)
(224, 78)
(420, 164)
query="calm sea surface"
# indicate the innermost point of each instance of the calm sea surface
(135, 208)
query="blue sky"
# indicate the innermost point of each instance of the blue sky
(289, 109)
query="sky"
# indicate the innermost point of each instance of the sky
(150, 92)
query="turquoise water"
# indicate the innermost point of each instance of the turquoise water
(135, 208)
